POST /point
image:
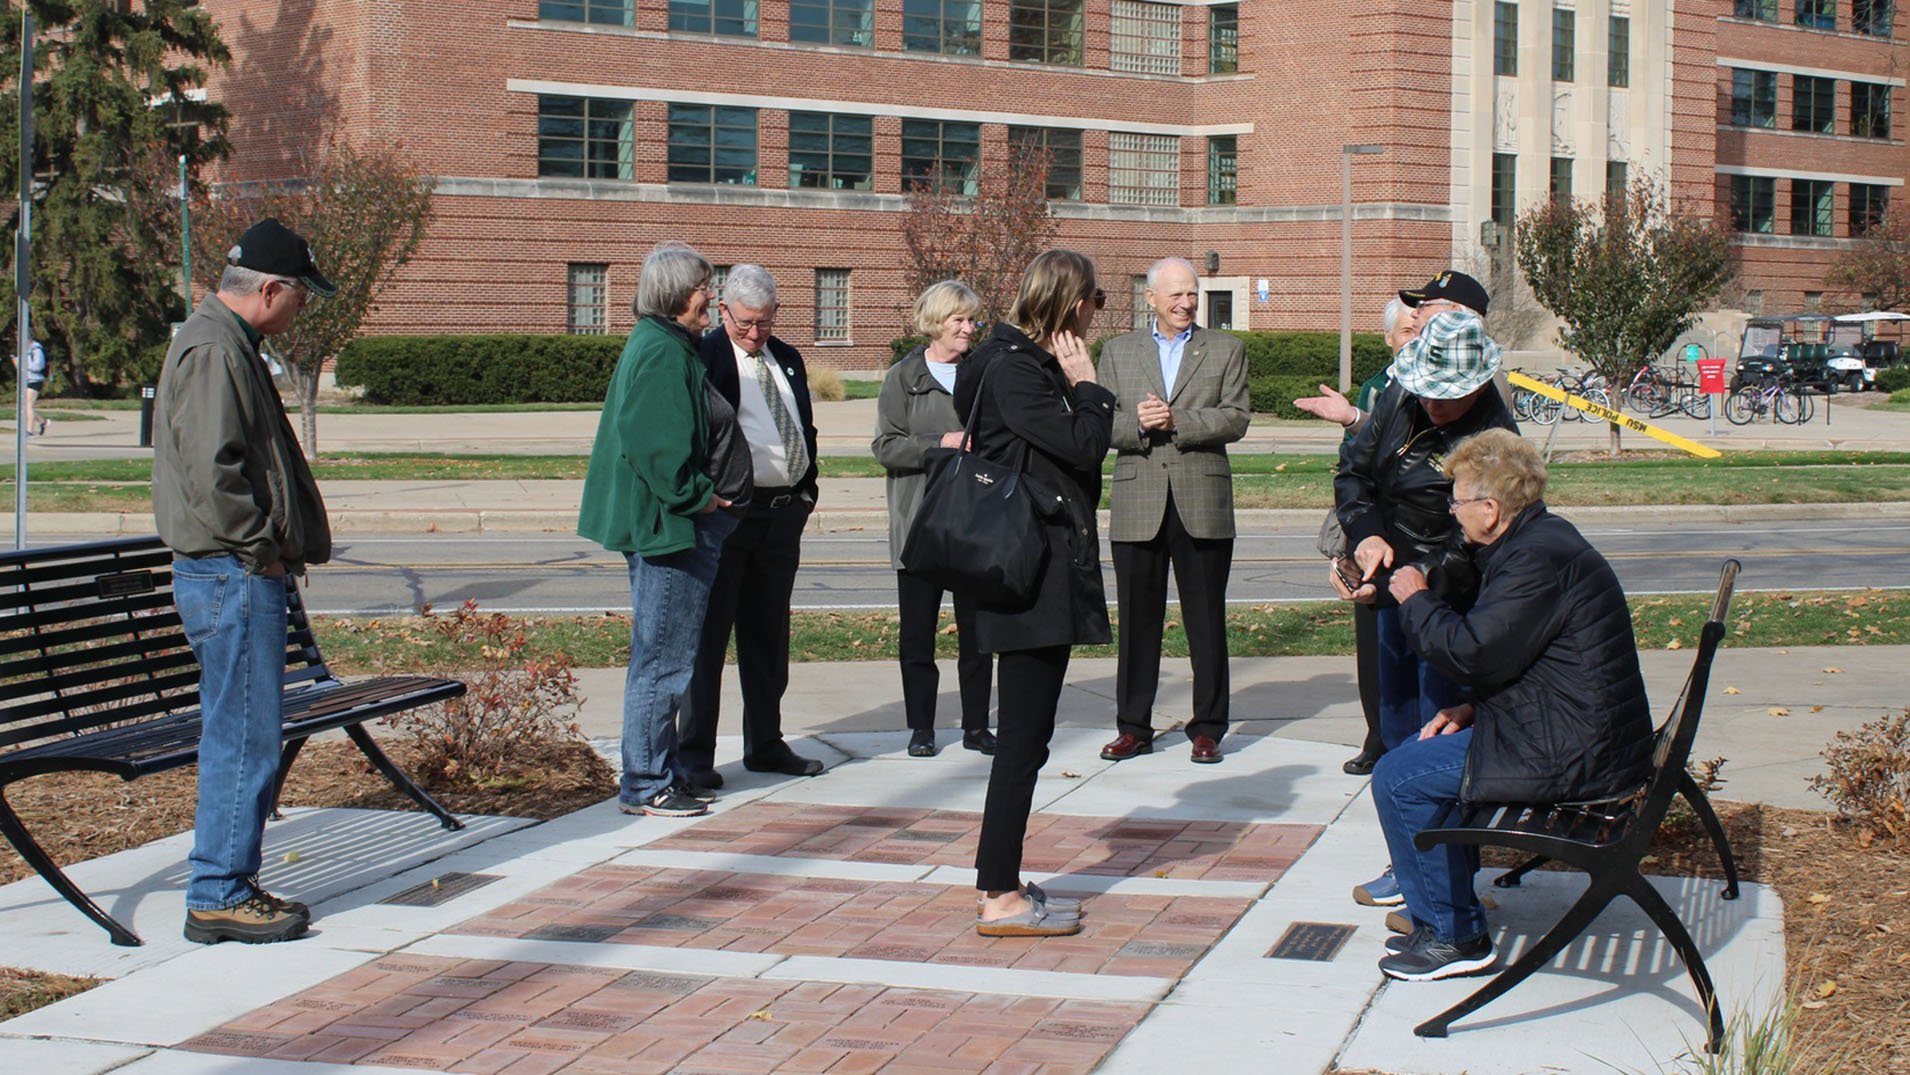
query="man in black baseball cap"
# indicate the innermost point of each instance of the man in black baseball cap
(1448, 291)
(271, 247)
(235, 501)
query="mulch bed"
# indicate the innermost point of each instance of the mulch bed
(1847, 908)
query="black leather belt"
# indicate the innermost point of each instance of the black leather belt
(773, 497)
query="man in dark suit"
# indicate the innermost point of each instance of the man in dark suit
(1182, 393)
(763, 378)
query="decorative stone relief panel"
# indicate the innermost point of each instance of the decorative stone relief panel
(1505, 116)
(1562, 121)
(1618, 125)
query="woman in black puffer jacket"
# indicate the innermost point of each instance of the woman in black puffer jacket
(1558, 714)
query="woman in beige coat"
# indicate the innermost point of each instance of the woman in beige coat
(915, 413)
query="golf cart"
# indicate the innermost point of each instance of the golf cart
(1817, 351)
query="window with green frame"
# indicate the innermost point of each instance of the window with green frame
(1761, 10)
(1063, 149)
(711, 144)
(1223, 39)
(1811, 207)
(829, 151)
(1814, 104)
(733, 18)
(1561, 179)
(1753, 204)
(1505, 38)
(598, 12)
(1618, 52)
(1046, 31)
(949, 27)
(584, 138)
(1817, 14)
(941, 155)
(1868, 202)
(1504, 188)
(1223, 169)
(833, 22)
(1869, 110)
(1753, 98)
(1564, 48)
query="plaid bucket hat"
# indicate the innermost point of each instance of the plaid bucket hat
(1449, 359)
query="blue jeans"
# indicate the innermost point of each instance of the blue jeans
(1411, 692)
(668, 597)
(235, 621)
(1416, 787)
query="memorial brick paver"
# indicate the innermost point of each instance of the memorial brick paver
(1159, 936)
(1056, 843)
(497, 1016)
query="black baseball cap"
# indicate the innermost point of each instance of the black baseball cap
(271, 247)
(1453, 286)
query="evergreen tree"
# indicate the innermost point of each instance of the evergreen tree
(114, 90)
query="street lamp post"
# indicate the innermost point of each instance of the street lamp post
(1347, 153)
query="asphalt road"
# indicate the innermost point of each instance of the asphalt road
(557, 574)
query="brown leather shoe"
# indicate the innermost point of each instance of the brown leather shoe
(1126, 746)
(1206, 750)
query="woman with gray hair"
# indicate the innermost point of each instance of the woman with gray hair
(914, 414)
(649, 494)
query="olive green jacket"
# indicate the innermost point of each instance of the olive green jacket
(229, 477)
(648, 475)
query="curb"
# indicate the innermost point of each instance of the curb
(849, 520)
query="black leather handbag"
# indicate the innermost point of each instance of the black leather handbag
(978, 528)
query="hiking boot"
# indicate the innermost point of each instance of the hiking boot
(1381, 891)
(288, 906)
(1429, 959)
(670, 802)
(260, 919)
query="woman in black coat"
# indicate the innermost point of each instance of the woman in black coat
(1032, 382)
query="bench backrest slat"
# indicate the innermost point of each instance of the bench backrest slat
(90, 639)
(1680, 730)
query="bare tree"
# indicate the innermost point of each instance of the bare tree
(1876, 268)
(983, 239)
(1626, 275)
(363, 210)
(1516, 316)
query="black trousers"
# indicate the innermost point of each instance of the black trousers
(1030, 692)
(1366, 664)
(921, 611)
(750, 595)
(1140, 577)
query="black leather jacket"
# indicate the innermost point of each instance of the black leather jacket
(1548, 651)
(1392, 484)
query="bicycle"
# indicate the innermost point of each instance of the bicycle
(1587, 385)
(1776, 396)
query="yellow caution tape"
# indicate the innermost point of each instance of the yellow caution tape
(1622, 421)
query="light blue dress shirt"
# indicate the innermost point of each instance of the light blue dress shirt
(1171, 351)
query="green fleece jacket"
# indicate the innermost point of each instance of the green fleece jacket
(648, 475)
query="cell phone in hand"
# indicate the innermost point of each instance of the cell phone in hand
(1351, 579)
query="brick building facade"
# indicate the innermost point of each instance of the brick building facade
(567, 137)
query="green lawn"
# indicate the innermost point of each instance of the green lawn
(360, 645)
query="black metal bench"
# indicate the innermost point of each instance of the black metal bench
(1608, 840)
(96, 674)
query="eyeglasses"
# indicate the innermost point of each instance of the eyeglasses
(764, 323)
(1454, 503)
(1100, 299)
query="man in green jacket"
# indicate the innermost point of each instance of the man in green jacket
(234, 500)
(649, 494)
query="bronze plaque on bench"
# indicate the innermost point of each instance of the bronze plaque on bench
(125, 584)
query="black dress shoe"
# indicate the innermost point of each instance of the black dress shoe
(982, 741)
(786, 762)
(706, 778)
(1360, 764)
(922, 744)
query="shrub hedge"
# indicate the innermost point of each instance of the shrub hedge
(1894, 379)
(420, 370)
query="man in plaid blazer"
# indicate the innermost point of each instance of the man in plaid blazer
(1181, 395)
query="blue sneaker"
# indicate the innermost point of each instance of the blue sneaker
(1381, 891)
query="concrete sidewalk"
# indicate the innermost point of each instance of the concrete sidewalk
(821, 924)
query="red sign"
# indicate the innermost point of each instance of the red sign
(1711, 376)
